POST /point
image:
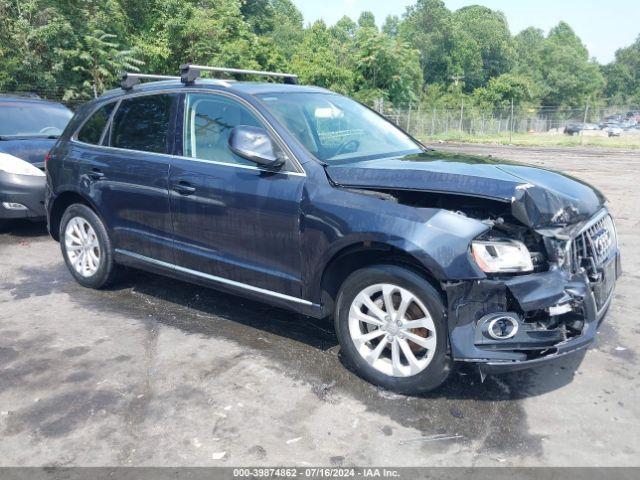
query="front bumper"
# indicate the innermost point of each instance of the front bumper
(534, 299)
(25, 190)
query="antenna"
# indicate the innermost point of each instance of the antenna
(190, 73)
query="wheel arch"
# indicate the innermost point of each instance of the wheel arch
(63, 201)
(364, 254)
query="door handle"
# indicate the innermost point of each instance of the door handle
(96, 174)
(184, 188)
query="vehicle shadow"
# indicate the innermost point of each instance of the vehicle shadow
(311, 344)
(23, 228)
(197, 303)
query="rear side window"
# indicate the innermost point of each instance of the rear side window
(142, 123)
(91, 132)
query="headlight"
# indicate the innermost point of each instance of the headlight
(501, 256)
(17, 166)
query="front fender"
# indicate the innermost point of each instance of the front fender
(437, 239)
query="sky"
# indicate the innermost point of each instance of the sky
(603, 26)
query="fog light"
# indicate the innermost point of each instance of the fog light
(500, 326)
(14, 206)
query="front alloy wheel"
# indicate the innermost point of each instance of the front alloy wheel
(392, 330)
(391, 325)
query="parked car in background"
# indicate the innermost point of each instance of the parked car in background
(573, 128)
(614, 130)
(29, 127)
(305, 199)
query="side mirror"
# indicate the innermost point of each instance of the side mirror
(254, 143)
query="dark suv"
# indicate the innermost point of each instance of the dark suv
(307, 200)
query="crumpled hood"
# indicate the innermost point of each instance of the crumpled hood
(32, 150)
(539, 198)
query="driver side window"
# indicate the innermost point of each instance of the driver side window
(208, 122)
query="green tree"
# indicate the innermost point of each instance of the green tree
(385, 68)
(259, 14)
(102, 60)
(391, 26)
(367, 20)
(211, 32)
(344, 31)
(569, 75)
(316, 61)
(623, 76)
(503, 90)
(487, 34)
(288, 30)
(428, 27)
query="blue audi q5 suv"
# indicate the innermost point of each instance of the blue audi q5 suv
(305, 199)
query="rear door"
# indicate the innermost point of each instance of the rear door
(231, 219)
(128, 180)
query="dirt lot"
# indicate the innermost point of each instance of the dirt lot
(158, 372)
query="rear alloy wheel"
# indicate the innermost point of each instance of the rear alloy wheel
(86, 247)
(391, 326)
(82, 246)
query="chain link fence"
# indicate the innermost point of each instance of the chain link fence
(424, 121)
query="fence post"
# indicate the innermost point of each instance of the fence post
(409, 120)
(511, 123)
(586, 111)
(461, 114)
(433, 122)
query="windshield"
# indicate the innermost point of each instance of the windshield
(30, 119)
(336, 129)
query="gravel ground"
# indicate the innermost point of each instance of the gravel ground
(159, 372)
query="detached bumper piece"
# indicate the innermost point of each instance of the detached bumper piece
(21, 196)
(519, 322)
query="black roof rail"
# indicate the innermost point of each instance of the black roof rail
(129, 80)
(190, 73)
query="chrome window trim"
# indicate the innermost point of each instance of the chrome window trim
(179, 157)
(237, 165)
(294, 160)
(215, 278)
(107, 128)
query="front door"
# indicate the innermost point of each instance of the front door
(231, 219)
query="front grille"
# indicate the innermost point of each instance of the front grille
(594, 245)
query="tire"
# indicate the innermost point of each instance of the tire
(101, 270)
(432, 365)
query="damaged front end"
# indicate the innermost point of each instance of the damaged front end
(555, 231)
(509, 322)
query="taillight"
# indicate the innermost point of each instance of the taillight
(47, 157)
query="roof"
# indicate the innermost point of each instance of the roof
(248, 88)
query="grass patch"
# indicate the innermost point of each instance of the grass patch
(628, 141)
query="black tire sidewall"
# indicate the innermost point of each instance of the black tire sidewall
(440, 367)
(104, 274)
